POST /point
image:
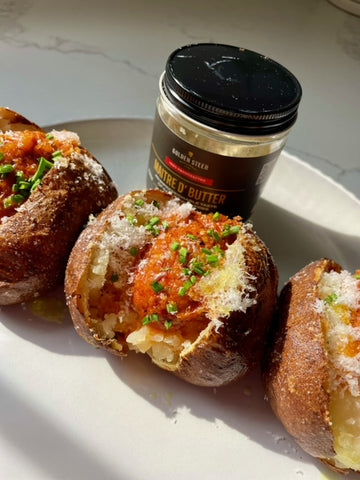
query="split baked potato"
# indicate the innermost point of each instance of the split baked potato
(49, 184)
(312, 366)
(196, 292)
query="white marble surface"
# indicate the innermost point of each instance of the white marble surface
(75, 60)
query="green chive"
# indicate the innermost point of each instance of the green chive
(172, 308)
(134, 251)
(44, 166)
(156, 204)
(187, 272)
(35, 185)
(1, 156)
(17, 198)
(157, 287)
(213, 259)
(5, 169)
(168, 324)
(166, 225)
(198, 268)
(57, 154)
(131, 219)
(235, 229)
(216, 216)
(140, 202)
(192, 237)
(357, 276)
(50, 136)
(214, 234)
(185, 288)
(154, 221)
(8, 202)
(153, 317)
(183, 253)
(175, 246)
(331, 298)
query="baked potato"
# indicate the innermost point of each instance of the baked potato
(196, 292)
(49, 184)
(312, 366)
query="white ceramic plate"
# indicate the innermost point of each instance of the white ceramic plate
(70, 412)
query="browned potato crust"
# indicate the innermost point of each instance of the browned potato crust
(296, 366)
(36, 241)
(218, 352)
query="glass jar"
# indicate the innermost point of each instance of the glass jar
(222, 118)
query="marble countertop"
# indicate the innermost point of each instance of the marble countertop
(94, 60)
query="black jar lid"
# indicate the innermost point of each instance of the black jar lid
(232, 89)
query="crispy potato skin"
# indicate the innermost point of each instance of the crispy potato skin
(296, 370)
(219, 356)
(36, 241)
(224, 356)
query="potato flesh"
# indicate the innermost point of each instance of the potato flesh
(131, 309)
(339, 295)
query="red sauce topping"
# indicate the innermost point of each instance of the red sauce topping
(176, 261)
(21, 152)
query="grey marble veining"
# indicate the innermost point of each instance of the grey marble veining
(103, 59)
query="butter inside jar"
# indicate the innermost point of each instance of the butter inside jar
(223, 116)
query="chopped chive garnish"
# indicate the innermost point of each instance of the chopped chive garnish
(131, 219)
(213, 259)
(183, 253)
(192, 237)
(156, 204)
(153, 317)
(214, 234)
(168, 324)
(187, 271)
(235, 229)
(193, 280)
(151, 225)
(357, 276)
(175, 246)
(44, 166)
(185, 288)
(50, 136)
(35, 185)
(1, 156)
(330, 298)
(8, 202)
(114, 277)
(5, 169)
(218, 250)
(57, 154)
(206, 251)
(198, 268)
(134, 251)
(15, 187)
(172, 308)
(157, 287)
(140, 202)
(17, 198)
(154, 221)
(166, 225)
(216, 216)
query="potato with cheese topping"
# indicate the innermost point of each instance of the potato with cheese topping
(194, 291)
(49, 185)
(312, 369)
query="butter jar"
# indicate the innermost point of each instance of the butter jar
(223, 115)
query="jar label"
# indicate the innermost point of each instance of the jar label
(211, 182)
